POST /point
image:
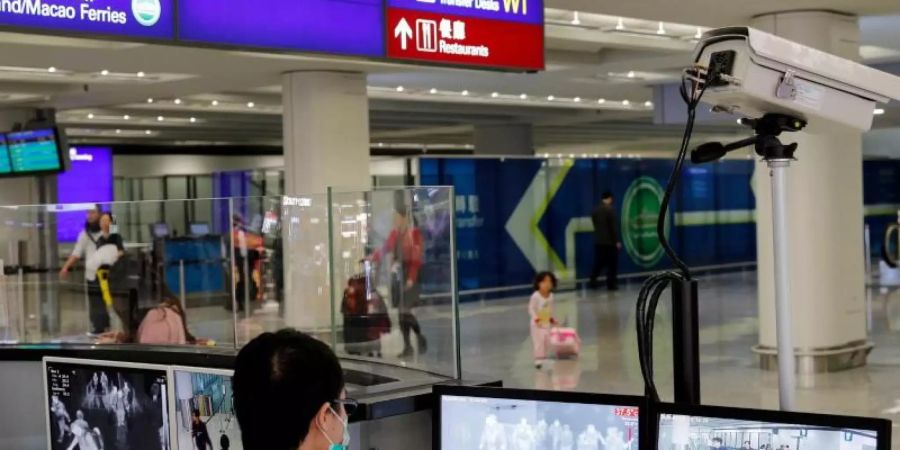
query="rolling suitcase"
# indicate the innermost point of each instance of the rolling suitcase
(565, 343)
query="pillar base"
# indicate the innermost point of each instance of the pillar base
(811, 361)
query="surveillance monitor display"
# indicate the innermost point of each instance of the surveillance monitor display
(495, 419)
(97, 405)
(199, 229)
(204, 410)
(711, 428)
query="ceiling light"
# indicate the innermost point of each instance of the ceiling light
(699, 33)
(160, 118)
(661, 29)
(878, 111)
(618, 155)
(126, 117)
(214, 103)
(550, 98)
(571, 155)
(466, 92)
(523, 96)
(91, 116)
(193, 120)
(141, 74)
(400, 89)
(433, 91)
(150, 100)
(104, 72)
(739, 122)
(648, 104)
(51, 69)
(577, 99)
(625, 102)
(620, 25)
(630, 74)
(148, 132)
(575, 19)
(608, 155)
(584, 155)
(495, 94)
(177, 101)
(601, 101)
(381, 144)
(251, 105)
(118, 131)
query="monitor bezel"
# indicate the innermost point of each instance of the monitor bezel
(173, 430)
(439, 391)
(61, 154)
(97, 363)
(880, 426)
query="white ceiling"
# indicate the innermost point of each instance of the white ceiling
(588, 62)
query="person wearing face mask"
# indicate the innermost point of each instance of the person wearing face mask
(289, 394)
(85, 248)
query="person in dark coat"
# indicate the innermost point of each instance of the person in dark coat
(606, 243)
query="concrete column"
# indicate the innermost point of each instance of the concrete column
(825, 214)
(326, 144)
(506, 139)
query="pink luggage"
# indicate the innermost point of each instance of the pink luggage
(565, 342)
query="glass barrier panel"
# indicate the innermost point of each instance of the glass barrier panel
(393, 277)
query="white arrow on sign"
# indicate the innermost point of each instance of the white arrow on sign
(404, 32)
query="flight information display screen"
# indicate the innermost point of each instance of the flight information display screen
(34, 151)
(5, 165)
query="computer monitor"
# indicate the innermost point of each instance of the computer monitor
(492, 418)
(199, 228)
(208, 393)
(105, 404)
(159, 230)
(708, 427)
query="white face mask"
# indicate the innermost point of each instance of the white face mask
(345, 444)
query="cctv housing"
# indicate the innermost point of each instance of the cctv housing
(753, 73)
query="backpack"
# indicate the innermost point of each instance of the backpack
(162, 325)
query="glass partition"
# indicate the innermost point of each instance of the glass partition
(370, 272)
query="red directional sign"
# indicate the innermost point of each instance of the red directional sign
(452, 39)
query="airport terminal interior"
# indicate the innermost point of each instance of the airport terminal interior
(519, 224)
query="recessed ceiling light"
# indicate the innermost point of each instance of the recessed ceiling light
(620, 24)
(214, 103)
(150, 100)
(104, 72)
(177, 101)
(626, 102)
(699, 33)
(251, 105)
(400, 89)
(90, 115)
(550, 98)
(648, 104)
(878, 111)
(465, 92)
(523, 96)
(433, 91)
(148, 132)
(381, 144)
(571, 155)
(118, 131)
(126, 117)
(193, 120)
(160, 118)
(575, 19)
(141, 74)
(51, 69)
(618, 155)
(495, 94)
(739, 122)
(577, 99)
(630, 74)
(601, 101)
(661, 29)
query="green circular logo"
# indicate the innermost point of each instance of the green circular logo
(640, 210)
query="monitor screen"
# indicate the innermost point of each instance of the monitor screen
(712, 428)
(103, 405)
(159, 230)
(199, 229)
(34, 151)
(5, 164)
(485, 418)
(204, 409)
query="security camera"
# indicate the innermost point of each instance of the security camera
(751, 73)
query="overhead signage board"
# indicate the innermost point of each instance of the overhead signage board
(340, 27)
(143, 19)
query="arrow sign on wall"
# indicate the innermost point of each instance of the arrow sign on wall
(404, 32)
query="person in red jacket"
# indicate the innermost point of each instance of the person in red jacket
(405, 246)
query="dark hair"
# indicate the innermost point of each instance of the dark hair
(543, 275)
(606, 195)
(281, 380)
(195, 412)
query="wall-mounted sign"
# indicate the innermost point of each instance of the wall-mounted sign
(341, 27)
(522, 11)
(152, 19)
(454, 39)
